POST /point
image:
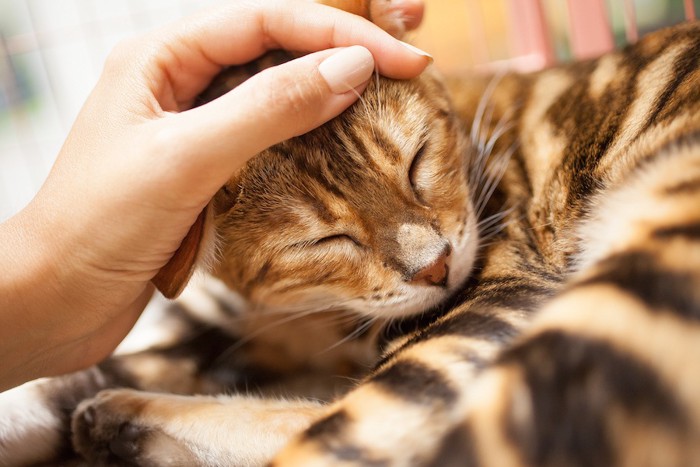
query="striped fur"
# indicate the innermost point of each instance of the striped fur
(568, 337)
(602, 242)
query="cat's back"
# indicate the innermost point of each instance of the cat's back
(580, 129)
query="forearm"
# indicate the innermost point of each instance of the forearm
(24, 272)
(49, 324)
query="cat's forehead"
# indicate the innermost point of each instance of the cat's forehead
(359, 156)
(390, 121)
(403, 110)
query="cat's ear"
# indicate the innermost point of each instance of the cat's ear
(198, 246)
(174, 276)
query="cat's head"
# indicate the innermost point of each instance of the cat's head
(370, 212)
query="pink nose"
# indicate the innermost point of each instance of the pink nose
(436, 273)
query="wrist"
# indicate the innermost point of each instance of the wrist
(24, 289)
(47, 324)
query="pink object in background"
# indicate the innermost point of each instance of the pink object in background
(631, 22)
(530, 40)
(590, 29)
(689, 9)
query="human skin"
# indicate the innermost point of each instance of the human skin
(139, 166)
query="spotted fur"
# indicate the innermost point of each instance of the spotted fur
(524, 251)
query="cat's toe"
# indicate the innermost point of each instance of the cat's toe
(105, 431)
(127, 444)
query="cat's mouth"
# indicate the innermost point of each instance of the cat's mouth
(433, 284)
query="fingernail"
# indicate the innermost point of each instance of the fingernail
(347, 69)
(418, 51)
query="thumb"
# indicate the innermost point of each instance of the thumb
(274, 105)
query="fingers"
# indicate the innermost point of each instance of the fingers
(412, 12)
(275, 105)
(395, 17)
(193, 50)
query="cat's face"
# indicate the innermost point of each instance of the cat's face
(370, 212)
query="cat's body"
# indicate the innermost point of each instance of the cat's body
(568, 338)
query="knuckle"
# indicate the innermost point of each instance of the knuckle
(292, 94)
(164, 141)
(121, 53)
(136, 51)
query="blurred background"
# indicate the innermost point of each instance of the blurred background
(52, 51)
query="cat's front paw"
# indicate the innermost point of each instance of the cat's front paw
(106, 430)
(125, 427)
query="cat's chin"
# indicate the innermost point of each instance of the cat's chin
(409, 306)
(416, 301)
(406, 300)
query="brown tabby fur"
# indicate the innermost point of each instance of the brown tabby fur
(569, 338)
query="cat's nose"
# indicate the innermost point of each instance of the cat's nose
(437, 272)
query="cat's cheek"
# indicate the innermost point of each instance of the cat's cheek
(459, 226)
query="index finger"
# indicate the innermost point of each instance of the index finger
(193, 50)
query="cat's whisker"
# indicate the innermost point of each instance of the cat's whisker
(506, 119)
(485, 157)
(499, 131)
(486, 245)
(350, 379)
(395, 324)
(355, 333)
(494, 218)
(290, 313)
(498, 163)
(478, 163)
(307, 306)
(494, 177)
(369, 117)
(489, 189)
(376, 80)
(285, 320)
(495, 229)
(481, 107)
(477, 170)
(478, 134)
(251, 336)
(486, 232)
(483, 131)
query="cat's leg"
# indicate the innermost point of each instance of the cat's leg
(142, 427)
(35, 417)
(139, 428)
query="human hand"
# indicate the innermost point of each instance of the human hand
(138, 167)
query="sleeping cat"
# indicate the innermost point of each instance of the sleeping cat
(517, 258)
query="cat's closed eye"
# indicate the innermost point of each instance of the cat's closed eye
(336, 238)
(414, 174)
(328, 240)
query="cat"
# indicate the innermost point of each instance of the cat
(517, 258)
